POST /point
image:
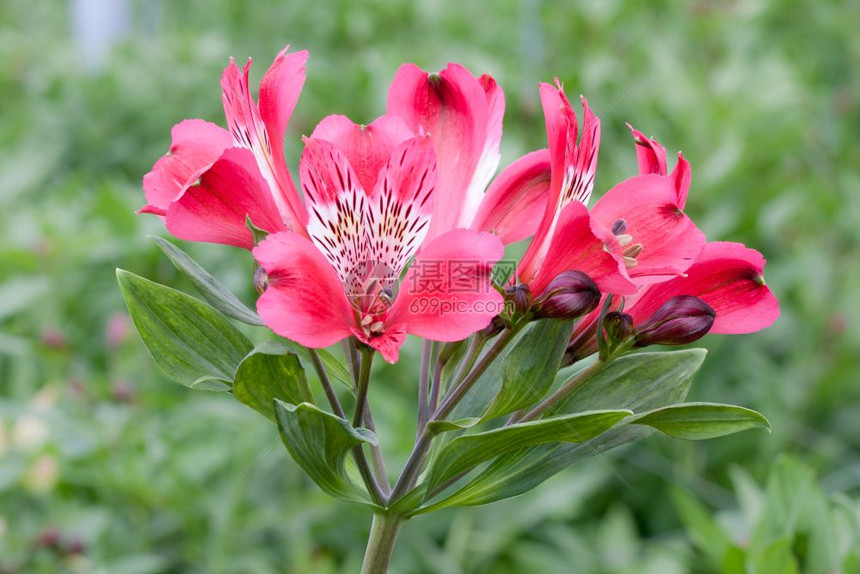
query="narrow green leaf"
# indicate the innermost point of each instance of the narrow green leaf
(530, 366)
(319, 442)
(271, 372)
(777, 557)
(210, 288)
(641, 381)
(700, 421)
(190, 340)
(436, 427)
(638, 382)
(466, 452)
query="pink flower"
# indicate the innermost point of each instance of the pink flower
(726, 276)
(568, 238)
(370, 192)
(463, 116)
(213, 178)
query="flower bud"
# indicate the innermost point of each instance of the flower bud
(618, 326)
(680, 320)
(570, 295)
(520, 295)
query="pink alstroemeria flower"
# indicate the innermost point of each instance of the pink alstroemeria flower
(370, 192)
(212, 178)
(727, 276)
(568, 238)
(463, 116)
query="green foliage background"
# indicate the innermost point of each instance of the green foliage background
(762, 97)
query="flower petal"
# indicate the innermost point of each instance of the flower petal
(726, 276)
(489, 160)
(446, 295)
(575, 246)
(452, 107)
(573, 165)
(388, 343)
(215, 210)
(194, 147)
(652, 159)
(650, 154)
(337, 205)
(366, 147)
(682, 177)
(279, 91)
(250, 130)
(401, 204)
(648, 206)
(304, 300)
(513, 206)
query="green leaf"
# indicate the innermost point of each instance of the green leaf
(777, 557)
(638, 382)
(702, 529)
(210, 288)
(436, 427)
(700, 421)
(466, 452)
(319, 442)
(530, 366)
(191, 341)
(641, 381)
(268, 373)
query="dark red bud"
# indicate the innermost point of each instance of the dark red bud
(570, 295)
(520, 295)
(76, 546)
(680, 320)
(48, 538)
(618, 326)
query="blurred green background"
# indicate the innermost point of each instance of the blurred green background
(107, 466)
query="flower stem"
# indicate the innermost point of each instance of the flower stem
(380, 544)
(370, 481)
(423, 385)
(326, 384)
(422, 446)
(361, 387)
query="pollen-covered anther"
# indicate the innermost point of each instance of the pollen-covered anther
(624, 239)
(633, 250)
(630, 262)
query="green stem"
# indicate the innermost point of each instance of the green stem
(424, 385)
(370, 481)
(361, 389)
(412, 469)
(380, 544)
(326, 384)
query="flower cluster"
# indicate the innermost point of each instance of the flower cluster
(385, 206)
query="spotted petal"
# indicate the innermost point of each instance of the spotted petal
(337, 205)
(401, 205)
(257, 132)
